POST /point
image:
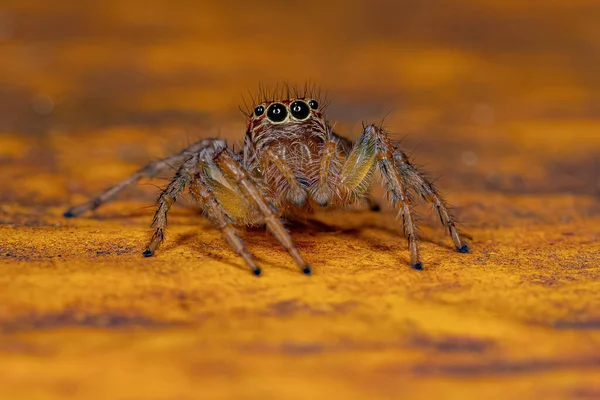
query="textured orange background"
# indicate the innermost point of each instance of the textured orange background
(500, 100)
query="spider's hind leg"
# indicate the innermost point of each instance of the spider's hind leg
(166, 199)
(421, 186)
(149, 171)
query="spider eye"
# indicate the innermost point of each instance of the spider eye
(313, 104)
(259, 110)
(299, 110)
(277, 112)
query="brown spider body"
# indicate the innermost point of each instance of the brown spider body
(287, 157)
(292, 162)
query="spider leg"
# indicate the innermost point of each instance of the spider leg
(375, 148)
(230, 197)
(149, 171)
(373, 204)
(419, 184)
(396, 187)
(227, 161)
(215, 212)
(166, 199)
(358, 170)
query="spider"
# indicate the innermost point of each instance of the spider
(291, 162)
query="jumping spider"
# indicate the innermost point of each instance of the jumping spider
(291, 162)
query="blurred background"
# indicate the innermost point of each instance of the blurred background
(497, 95)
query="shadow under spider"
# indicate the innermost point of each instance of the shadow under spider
(186, 238)
(312, 225)
(255, 236)
(224, 254)
(308, 226)
(141, 212)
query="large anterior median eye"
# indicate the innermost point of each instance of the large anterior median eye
(276, 112)
(299, 110)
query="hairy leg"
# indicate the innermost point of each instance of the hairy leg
(374, 148)
(421, 186)
(231, 198)
(396, 187)
(149, 171)
(230, 165)
(215, 212)
(357, 171)
(166, 199)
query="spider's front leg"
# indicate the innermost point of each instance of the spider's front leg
(149, 171)
(227, 162)
(355, 172)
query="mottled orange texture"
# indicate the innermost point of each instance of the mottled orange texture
(494, 98)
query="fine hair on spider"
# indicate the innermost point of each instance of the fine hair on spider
(291, 163)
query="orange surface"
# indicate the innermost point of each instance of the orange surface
(498, 100)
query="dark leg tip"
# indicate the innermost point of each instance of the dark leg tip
(463, 249)
(257, 271)
(307, 270)
(323, 203)
(418, 266)
(148, 253)
(68, 214)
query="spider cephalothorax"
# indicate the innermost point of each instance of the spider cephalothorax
(292, 162)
